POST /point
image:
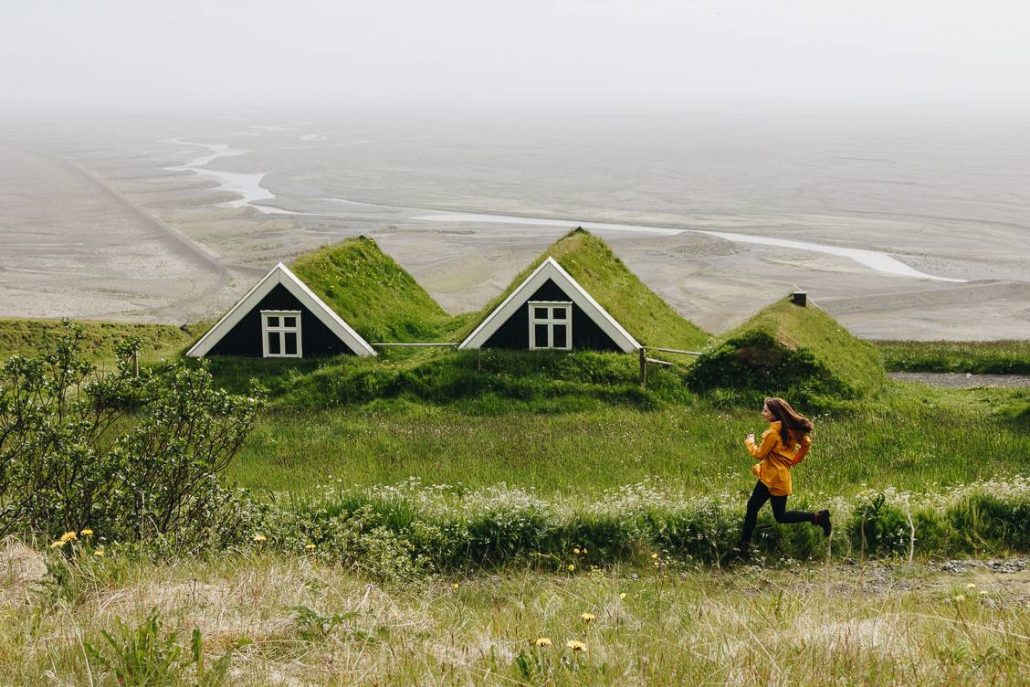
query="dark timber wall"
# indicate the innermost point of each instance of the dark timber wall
(514, 334)
(317, 340)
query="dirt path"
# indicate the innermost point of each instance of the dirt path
(962, 380)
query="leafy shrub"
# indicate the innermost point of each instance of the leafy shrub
(135, 456)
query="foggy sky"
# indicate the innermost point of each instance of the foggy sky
(67, 57)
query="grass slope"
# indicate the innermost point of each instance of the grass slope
(826, 345)
(374, 294)
(604, 276)
(24, 337)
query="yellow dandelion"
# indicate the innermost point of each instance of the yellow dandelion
(655, 563)
(309, 546)
(58, 544)
(99, 553)
(575, 551)
(654, 555)
(622, 595)
(454, 585)
(543, 641)
(576, 646)
(571, 567)
(589, 617)
(86, 532)
(260, 538)
(69, 536)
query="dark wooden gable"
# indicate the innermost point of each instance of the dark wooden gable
(514, 333)
(245, 338)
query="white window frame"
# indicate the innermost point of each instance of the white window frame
(550, 321)
(282, 331)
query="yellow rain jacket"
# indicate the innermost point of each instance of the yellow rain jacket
(775, 459)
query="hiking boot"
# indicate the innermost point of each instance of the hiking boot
(822, 518)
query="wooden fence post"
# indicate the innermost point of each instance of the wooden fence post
(643, 368)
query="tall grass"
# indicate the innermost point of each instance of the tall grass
(295, 620)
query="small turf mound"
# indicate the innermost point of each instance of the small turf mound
(788, 347)
(640, 310)
(372, 293)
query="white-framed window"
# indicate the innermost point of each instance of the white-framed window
(550, 325)
(280, 334)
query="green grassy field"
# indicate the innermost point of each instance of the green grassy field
(911, 437)
(984, 357)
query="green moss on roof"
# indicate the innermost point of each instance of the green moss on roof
(643, 313)
(372, 293)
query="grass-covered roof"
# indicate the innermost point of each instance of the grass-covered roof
(374, 294)
(786, 344)
(640, 310)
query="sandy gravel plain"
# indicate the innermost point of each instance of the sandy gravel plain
(122, 222)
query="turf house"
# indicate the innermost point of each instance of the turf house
(281, 318)
(550, 310)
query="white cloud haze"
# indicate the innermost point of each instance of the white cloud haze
(944, 56)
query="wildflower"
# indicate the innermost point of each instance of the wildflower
(576, 646)
(260, 538)
(971, 585)
(454, 585)
(571, 567)
(543, 641)
(589, 617)
(622, 595)
(87, 532)
(575, 551)
(309, 546)
(99, 553)
(960, 597)
(58, 544)
(584, 552)
(654, 555)
(69, 536)
(983, 592)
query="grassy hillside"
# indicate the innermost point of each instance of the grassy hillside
(785, 345)
(23, 337)
(640, 310)
(373, 293)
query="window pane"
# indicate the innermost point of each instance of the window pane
(289, 321)
(273, 321)
(558, 313)
(290, 344)
(540, 313)
(273, 343)
(541, 336)
(559, 336)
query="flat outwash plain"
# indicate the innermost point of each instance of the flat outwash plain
(171, 221)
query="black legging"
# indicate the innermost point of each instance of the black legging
(779, 505)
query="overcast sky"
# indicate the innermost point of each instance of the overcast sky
(883, 56)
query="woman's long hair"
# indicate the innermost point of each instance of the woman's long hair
(792, 423)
